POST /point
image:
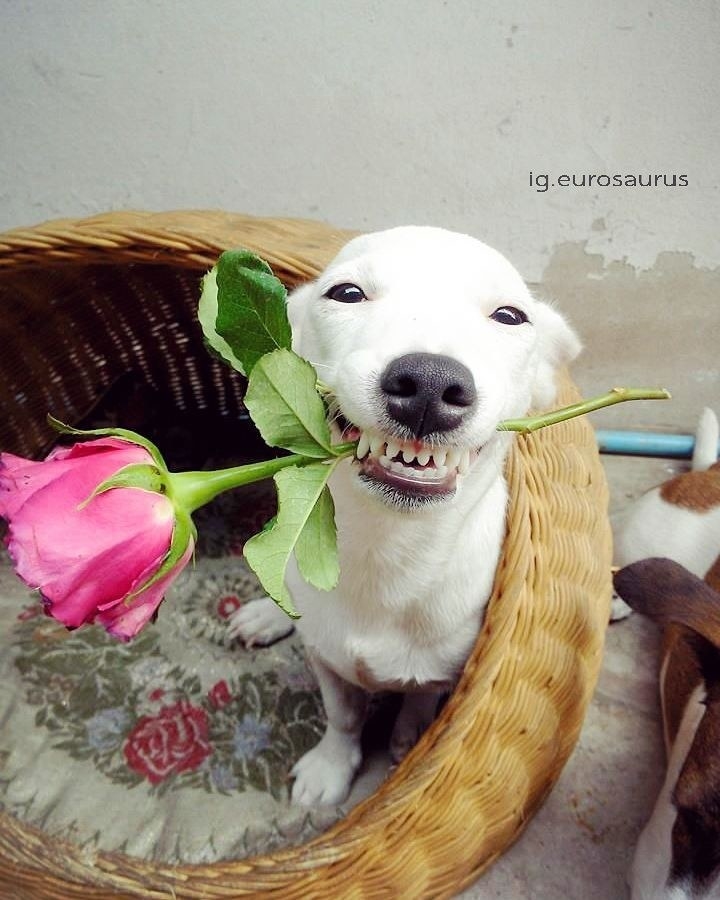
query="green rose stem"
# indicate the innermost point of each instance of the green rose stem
(616, 395)
(191, 490)
(305, 520)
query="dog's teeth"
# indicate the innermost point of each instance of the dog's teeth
(397, 467)
(385, 462)
(439, 455)
(376, 445)
(408, 455)
(423, 457)
(392, 449)
(453, 458)
(363, 446)
(440, 471)
(464, 464)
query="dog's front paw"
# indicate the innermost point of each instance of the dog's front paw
(259, 623)
(324, 774)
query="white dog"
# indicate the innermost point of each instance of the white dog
(428, 339)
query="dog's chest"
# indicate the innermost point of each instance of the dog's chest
(412, 590)
(404, 626)
(396, 653)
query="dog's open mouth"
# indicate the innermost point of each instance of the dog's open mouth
(406, 471)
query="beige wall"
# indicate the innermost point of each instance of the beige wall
(370, 113)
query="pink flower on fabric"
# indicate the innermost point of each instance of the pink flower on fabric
(91, 557)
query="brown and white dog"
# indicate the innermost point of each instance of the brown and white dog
(678, 853)
(679, 519)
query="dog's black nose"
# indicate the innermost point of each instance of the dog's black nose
(427, 392)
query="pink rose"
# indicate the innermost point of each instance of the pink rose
(91, 556)
(173, 741)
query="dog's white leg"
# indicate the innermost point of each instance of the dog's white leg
(259, 623)
(324, 774)
(417, 712)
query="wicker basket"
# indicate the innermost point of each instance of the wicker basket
(83, 302)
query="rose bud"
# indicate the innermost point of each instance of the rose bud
(94, 528)
(102, 528)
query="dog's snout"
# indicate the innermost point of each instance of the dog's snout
(427, 392)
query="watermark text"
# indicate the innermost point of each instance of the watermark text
(542, 182)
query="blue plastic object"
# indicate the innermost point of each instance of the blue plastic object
(642, 443)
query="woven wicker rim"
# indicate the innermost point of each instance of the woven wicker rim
(471, 784)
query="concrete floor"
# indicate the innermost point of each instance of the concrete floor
(639, 328)
(607, 790)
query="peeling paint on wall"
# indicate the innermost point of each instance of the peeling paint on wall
(643, 327)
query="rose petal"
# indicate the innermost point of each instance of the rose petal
(21, 478)
(95, 446)
(87, 553)
(83, 558)
(124, 621)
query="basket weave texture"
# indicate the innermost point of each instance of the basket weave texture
(84, 301)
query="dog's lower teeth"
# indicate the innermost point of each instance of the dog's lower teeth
(411, 472)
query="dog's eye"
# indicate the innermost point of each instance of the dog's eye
(345, 293)
(509, 315)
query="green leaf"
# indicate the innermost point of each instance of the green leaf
(268, 553)
(316, 548)
(207, 316)
(123, 433)
(270, 524)
(284, 404)
(138, 475)
(251, 309)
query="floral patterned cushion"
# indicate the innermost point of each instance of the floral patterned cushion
(177, 745)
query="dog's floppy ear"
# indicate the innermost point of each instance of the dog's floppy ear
(558, 345)
(668, 593)
(296, 306)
